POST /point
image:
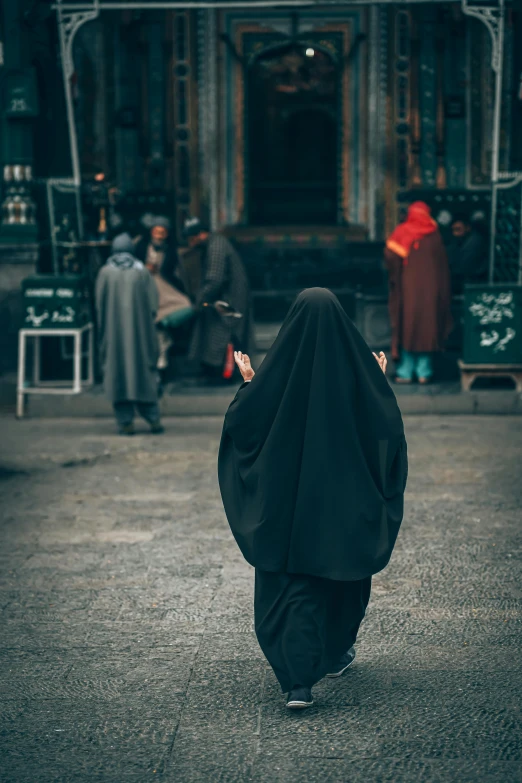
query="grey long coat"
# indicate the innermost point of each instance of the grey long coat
(126, 304)
(224, 278)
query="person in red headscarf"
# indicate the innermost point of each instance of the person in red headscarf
(419, 293)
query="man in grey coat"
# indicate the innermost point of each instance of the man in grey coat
(126, 304)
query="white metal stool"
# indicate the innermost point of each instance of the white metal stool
(53, 387)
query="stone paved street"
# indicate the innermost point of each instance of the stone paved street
(127, 650)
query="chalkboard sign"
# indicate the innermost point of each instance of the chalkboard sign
(21, 95)
(55, 302)
(493, 324)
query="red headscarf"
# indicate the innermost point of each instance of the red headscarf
(417, 225)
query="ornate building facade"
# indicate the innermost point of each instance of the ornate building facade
(267, 117)
(302, 129)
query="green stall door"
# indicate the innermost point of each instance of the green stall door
(493, 324)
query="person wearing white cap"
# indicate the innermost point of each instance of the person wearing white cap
(175, 308)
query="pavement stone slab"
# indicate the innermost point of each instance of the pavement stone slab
(127, 649)
(381, 769)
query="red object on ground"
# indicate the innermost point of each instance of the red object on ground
(228, 369)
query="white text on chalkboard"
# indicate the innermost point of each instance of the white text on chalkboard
(492, 308)
(488, 339)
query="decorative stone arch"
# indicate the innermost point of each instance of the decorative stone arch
(334, 40)
(328, 115)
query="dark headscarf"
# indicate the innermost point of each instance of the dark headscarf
(193, 226)
(123, 253)
(312, 464)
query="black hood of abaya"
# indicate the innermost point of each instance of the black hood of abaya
(312, 464)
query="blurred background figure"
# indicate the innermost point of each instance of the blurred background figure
(158, 252)
(222, 300)
(126, 304)
(159, 255)
(467, 253)
(419, 293)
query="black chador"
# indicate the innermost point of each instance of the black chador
(312, 471)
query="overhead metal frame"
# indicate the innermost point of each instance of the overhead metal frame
(69, 22)
(143, 5)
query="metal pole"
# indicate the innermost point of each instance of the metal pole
(493, 17)
(20, 389)
(143, 5)
(90, 357)
(77, 381)
(212, 119)
(69, 22)
(497, 64)
(67, 72)
(374, 161)
(50, 207)
(37, 359)
(519, 281)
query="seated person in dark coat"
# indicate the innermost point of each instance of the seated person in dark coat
(222, 298)
(467, 254)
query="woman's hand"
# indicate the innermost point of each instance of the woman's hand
(245, 368)
(382, 361)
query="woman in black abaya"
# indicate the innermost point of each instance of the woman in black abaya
(312, 471)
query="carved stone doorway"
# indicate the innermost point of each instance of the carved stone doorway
(292, 142)
(293, 136)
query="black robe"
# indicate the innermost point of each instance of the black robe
(468, 260)
(312, 470)
(224, 278)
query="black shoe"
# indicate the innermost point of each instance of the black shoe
(346, 661)
(127, 429)
(157, 428)
(299, 699)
